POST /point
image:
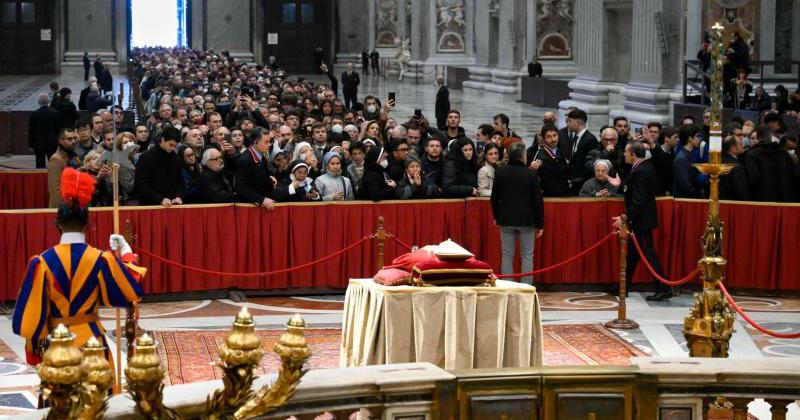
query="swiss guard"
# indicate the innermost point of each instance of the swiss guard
(70, 282)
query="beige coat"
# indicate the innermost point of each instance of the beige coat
(55, 166)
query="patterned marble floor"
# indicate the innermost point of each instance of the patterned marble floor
(659, 333)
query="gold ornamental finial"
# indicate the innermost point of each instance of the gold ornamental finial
(239, 356)
(97, 380)
(144, 376)
(60, 373)
(293, 351)
(718, 27)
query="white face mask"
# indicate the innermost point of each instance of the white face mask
(384, 163)
(371, 109)
(337, 128)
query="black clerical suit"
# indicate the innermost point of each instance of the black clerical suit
(580, 145)
(350, 82)
(640, 188)
(43, 125)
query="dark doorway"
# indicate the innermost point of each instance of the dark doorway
(26, 37)
(294, 28)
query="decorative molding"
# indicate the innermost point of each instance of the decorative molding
(450, 26)
(385, 23)
(554, 29)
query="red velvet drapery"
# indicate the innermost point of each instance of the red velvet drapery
(761, 241)
(23, 189)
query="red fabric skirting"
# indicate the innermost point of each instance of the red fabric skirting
(23, 189)
(760, 241)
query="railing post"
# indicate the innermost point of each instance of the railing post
(622, 322)
(381, 237)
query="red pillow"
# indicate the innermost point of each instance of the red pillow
(407, 261)
(392, 277)
(471, 272)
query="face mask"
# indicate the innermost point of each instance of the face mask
(384, 163)
(337, 128)
(371, 109)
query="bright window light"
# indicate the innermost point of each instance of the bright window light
(155, 23)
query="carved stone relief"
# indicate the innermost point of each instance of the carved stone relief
(385, 22)
(450, 26)
(554, 29)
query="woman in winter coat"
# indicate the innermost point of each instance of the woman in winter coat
(298, 186)
(460, 173)
(414, 184)
(332, 186)
(491, 155)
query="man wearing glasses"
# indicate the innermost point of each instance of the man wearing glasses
(397, 160)
(215, 187)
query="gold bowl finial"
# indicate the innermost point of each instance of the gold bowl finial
(61, 363)
(243, 317)
(297, 321)
(242, 346)
(145, 365)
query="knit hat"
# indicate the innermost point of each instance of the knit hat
(605, 162)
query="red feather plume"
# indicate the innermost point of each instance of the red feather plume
(77, 188)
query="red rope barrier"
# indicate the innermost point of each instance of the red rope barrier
(259, 274)
(750, 320)
(399, 242)
(652, 271)
(562, 263)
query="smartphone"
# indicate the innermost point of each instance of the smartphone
(228, 137)
(392, 97)
(638, 130)
(418, 113)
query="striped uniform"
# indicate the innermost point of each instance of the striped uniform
(68, 284)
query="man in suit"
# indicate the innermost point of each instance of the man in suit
(62, 159)
(518, 209)
(550, 165)
(158, 177)
(642, 217)
(86, 65)
(254, 181)
(350, 82)
(733, 185)
(442, 103)
(365, 62)
(580, 144)
(85, 93)
(43, 125)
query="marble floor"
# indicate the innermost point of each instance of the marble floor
(659, 333)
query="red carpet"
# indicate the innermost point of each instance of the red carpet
(189, 356)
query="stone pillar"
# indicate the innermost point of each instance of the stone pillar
(90, 27)
(198, 23)
(646, 97)
(589, 90)
(121, 33)
(228, 27)
(766, 35)
(353, 34)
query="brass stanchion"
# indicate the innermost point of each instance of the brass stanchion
(709, 325)
(622, 322)
(131, 314)
(381, 237)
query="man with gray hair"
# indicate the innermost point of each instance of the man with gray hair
(215, 187)
(518, 209)
(43, 125)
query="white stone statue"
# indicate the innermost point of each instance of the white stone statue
(547, 10)
(458, 13)
(403, 55)
(444, 13)
(564, 10)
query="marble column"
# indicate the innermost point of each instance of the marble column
(198, 22)
(647, 95)
(353, 33)
(90, 27)
(228, 27)
(589, 90)
(766, 34)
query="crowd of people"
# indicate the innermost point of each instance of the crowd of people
(218, 130)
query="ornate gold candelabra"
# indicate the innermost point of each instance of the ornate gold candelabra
(709, 325)
(60, 373)
(144, 376)
(97, 379)
(239, 358)
(76, 383)
(293, 351)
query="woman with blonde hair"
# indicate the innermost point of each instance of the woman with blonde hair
(371, 130)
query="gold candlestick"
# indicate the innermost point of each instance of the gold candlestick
(709, 325)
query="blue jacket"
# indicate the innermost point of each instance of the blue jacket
(685, 177)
